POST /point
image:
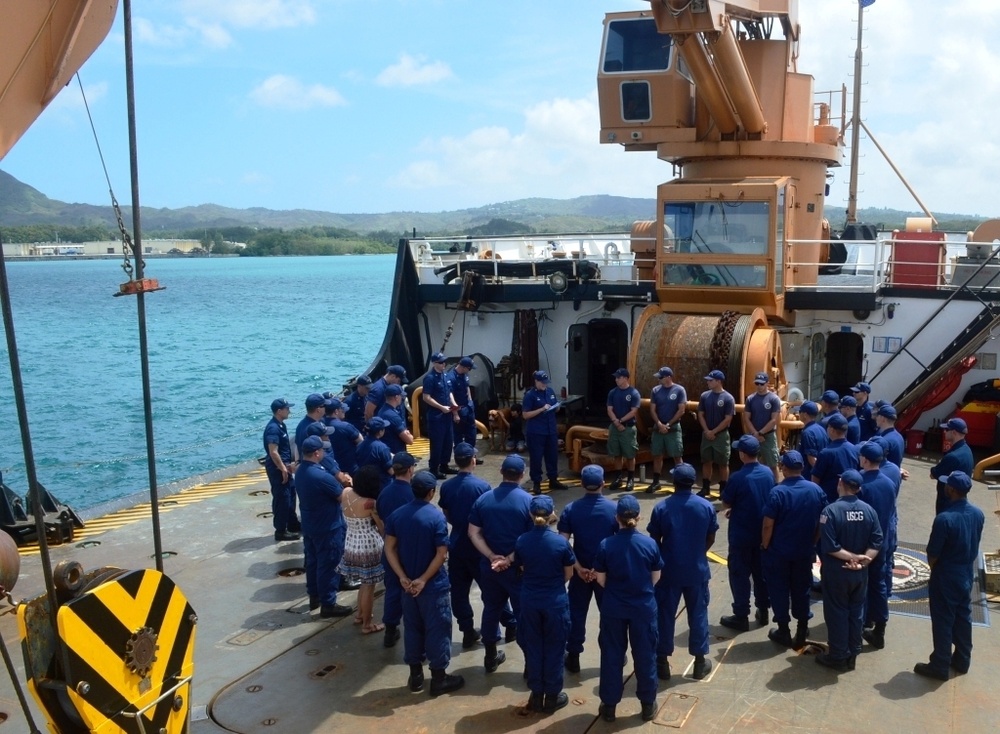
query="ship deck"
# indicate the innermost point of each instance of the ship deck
(264, 664)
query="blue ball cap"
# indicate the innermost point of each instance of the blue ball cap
(627, 505)
(716, 375)
(871, 451)
(541, 376)
(392, 391)
(312, 444)
(683, 475)
(316, 428)
(438, 357)
(748, 445)
(792, 460)
(513, 463)
(882, 442)
(542, 505)
(664, 372)
(422, 480)
(404, 459)
(760, 379)
(464, 451)
(848, 401)
(592, 476)
(397, 370)
(851, 477)
(887, 411)
(467, 362)
(621, 372)
(376, 424)
(279, 404)
(957, 424)
(363, 381)
(333, 404)
(830, 396)
(837, 422)
(960, 481)
(809, 408)
(862, 387)
(314, 400)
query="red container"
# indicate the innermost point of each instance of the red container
(917, 259)
(981, 423)
(914, 442)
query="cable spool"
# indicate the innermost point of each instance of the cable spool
(10, 562)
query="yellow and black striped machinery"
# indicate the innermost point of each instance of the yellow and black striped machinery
(120, 657)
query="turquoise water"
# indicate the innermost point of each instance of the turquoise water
(226, 337)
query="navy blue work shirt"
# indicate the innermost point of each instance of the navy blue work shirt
(543, 556)
(716, 406)
(746, 494)
(667, 401)
(680, 525)
(760, 408)
(354, 409)
(848, 524)
(344, 444)
(396, 494)
(459, 388)
(957, 458)
(955, 537)
(622, 400)
(396, 426)
(812, 441)
(795, 505)
(419, 529)
(438, 385)
(503, 514)
(896, 445)
(543, 424)
(834, 460)
(589, 520)
(456, 497)
(375, 452)
(275, 432)
(628, 558)
(319, 499)
(878, 492)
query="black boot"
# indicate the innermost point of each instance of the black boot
(573, 662)
(536, 488)
(416, 680)
(705, 484)
(701, 667)
(493, 657)
(470, 638)
(663, 668)
(616, 484)
(801, 634)
(655, 486)
(607, 711)
(391, 636)
(630, 483)
(736, 622)
(761, 616)
(875, 637)
(442, 682)
(554, 702)
(555, 484)
(648, 711)
(781, 634)
(535, 702)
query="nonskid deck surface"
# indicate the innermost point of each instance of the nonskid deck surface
(264, 664)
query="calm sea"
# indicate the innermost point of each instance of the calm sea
(226, 337)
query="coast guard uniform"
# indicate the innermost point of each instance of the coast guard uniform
(344, 443)
(878, 491)
(746, 494)
(628, 612)
(440, 426)
(323, 530)
(852, 525)
(834, 460)
(503, 514)
(812, 441)
(543, 624)
(683, 525)
(465, 430)
(957, 458)
(589, 520)
(759, 410)
(896, 445)
(867, 420)
(541, 434)
(283, 516)
(354, 409)
(397, 425)
(397, 494)
(373, 451)
(420, 529)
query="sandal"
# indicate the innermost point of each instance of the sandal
(369, 629)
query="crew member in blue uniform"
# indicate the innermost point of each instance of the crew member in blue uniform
(788, 539)
(344, 439)
(546, 562)
(953, 554)
(829, 405)
(743, 500)
(323, 529)
(624, 402)
(716, 409)
(849, 409)
(850, 539)
(496, 521)
(957, 458)
(372, 450)
(683, 525)
(889, 543)
(354, 404)
(813, 437)
(442, 414)
(329, 462)
(628, 566)
(315, 410)
(461, 393)
(878, 491)
(885, 419)
(588, 521)
(761, 413)
(397, 436)
(416, 545)
(836, 458)
(862, 394)
(396, 494)
(394, 375)
(540, 432)
(458, 494)
(667, 405)
(280, 470)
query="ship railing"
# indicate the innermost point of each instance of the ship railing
(843, 265)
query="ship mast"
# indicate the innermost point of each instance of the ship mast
(852, 193)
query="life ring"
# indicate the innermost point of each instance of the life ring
(488, 255)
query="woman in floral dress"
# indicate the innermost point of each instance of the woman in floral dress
(363, 548)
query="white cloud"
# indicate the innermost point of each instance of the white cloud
(212, 35)
(411, 71)
(287, 92)
(70, 102)
(160, 36)
(252, 14)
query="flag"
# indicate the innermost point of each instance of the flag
(866, 3)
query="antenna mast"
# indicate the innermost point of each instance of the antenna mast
(852, 194)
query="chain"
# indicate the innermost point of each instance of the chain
(127, 245)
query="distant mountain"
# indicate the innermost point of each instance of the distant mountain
(20, 204)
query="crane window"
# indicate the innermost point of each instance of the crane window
(635, 45)
(635, 102)
(719, 227)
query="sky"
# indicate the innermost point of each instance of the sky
(358, 106)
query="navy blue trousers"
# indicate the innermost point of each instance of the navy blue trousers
(844, 594)
(696, 599)
(392, 602)
(951, 618)
(427, 628)
(499, 589)
(579, 604)
(788, 581)
(614, 639)
(465, 429)
(282, 501)
(543, 449)
(323, 552)
(440, 435)
(542, 633)
(744, 566)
